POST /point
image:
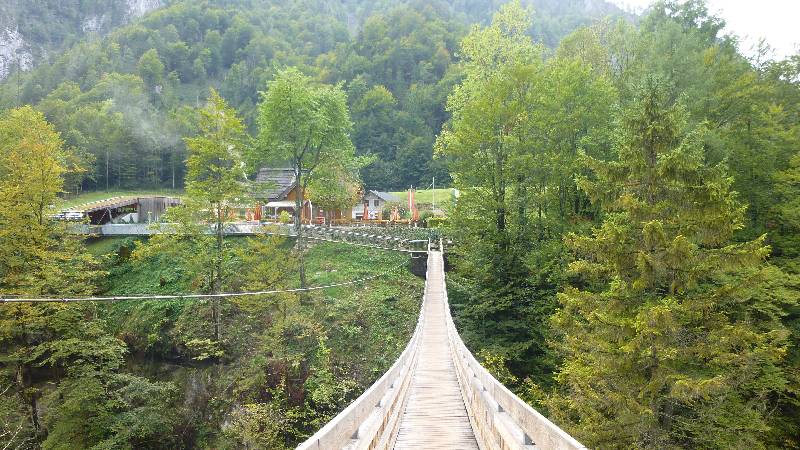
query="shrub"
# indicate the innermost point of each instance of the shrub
(436, 222)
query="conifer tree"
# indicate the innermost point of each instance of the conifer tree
(785, 240)
(785, 237)
(666, 338)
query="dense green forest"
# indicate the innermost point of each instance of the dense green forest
(626, 242)
(123, 101)
(628, 221)
(33, 30)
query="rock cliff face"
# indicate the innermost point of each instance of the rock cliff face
(137, 8)
(30, 31)
(12, 52)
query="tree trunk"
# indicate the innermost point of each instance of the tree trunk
(216, 284)
(172, 163)
(298, 227)
(107, 171)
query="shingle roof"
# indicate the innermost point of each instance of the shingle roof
(385, 196)
(274, 184)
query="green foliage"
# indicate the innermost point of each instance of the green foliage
(674, 239)
(259, 425)
(32, 167)
(307, 125)
(436, 222)
(402, 52)
(785, 237)
(151, 69)
(669, 331)
(337, 184)
(215, 167)
(195, 234)
(287, 367)
(58, 345)
(514, 158)
(669, 340)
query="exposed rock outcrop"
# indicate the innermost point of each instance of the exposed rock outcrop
(17, 49)
(13, 52)
(137, 8)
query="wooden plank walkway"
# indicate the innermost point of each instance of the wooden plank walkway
(435, 416)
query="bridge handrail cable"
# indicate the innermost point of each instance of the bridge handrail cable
(19, 299)
(372, 418)
(500, 419)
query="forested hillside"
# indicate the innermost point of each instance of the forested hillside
(623, 248)
(121, 101)
(628, 221)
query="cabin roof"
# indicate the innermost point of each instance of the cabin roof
(275, 183)
(385, 196)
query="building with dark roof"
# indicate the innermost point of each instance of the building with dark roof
(274, 184)
(276, 188)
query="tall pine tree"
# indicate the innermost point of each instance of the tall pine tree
(668, 339)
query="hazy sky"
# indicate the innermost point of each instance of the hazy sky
(775, 20)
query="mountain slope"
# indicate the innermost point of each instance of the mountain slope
(120, 99)
(31, 30)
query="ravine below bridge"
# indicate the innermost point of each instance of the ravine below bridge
(437, 396)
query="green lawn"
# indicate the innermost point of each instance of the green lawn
(326, 263)
(443, 196)
(88, 197)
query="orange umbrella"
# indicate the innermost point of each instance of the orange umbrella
(366, 211)
(257, 214)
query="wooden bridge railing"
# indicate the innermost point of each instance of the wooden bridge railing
(371, 420)
(500, 420)
(368, 238)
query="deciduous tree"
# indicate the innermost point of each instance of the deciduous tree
(215, 183)
(306, 124)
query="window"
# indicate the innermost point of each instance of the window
(377, 203)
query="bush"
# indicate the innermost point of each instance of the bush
(284, 217)
(424, 216)
(436, 222)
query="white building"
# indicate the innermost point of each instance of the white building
(375, 201)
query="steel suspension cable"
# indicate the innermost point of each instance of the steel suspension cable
(193, 296)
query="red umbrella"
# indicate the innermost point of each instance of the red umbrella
(366, 211)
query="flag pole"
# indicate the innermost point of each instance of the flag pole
(433, 191)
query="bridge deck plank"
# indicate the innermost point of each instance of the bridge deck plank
(435, 416)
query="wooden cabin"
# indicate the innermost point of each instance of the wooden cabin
(276, 188)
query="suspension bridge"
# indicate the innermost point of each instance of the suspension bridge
(437, 396)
